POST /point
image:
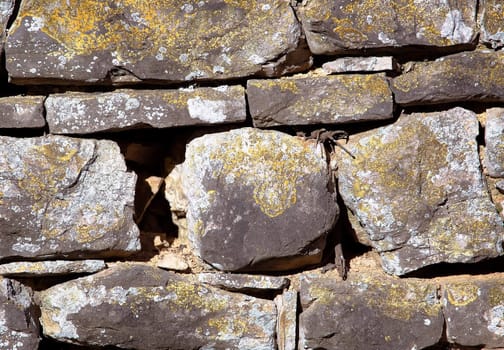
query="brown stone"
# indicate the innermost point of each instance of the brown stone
(22, 112)
(492, 32)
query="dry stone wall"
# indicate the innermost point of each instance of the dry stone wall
(272, 174)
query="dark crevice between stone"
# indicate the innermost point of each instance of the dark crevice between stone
(51, 344)
(44, 282)
(475, 106)
(13, 16)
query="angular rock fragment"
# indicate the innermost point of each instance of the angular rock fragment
(244, 283)
(386, 312)
(61, 196)
(287, 306)
(258, 200)
(141, 307)
(492, 30)
(360, 64)
(474, 310)
(306, 100)
(6, 9)
(19, 327)
(168, 40)
(22, 112)
(417, 191)
(50, 268)
(80, 113)
(448, 80)
(494, 141)
(335, 27)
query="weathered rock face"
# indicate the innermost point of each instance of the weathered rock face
(416, 188)
(492, 32)
(84, 113)
(257, 200)
(314, 100)
(369, 312)
(22, 112)
(334, 27)
(475, 312)
(494, 141)
(50, 268)
(19, 328)
(360, 64)
(6, 8)
(157, 40)
(448, 79)
(141, 307)
(61, 196)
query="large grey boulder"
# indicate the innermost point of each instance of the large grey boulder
(258, 200)
(62, 196)
(141, 307)
(417, 190)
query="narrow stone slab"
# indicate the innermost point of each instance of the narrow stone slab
(416, 188)
(463, 300)
(19, 327)
(287, 306)
(348, 25)
(141, 307)
(494, 141)
(50, 268)
(319, 100)
(258, 200)
(244, 283)
(61, 196)
(22, 112)
(386, 312)
(449, 80)
(360, 64)
(82, 113)
(169, 40)
(492, 31)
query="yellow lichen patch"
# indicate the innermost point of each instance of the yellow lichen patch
(189, 296)
(228, 326)
(496, 294)
(322, 295)
(492, 16)
(462, 294)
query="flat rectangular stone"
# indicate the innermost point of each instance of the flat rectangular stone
(360, 64)
(287, 311)
(449, 79)
(80, 113)
(242, 283)
(50, 268)
(304, 100)
(494, 142)
(335, 27)
(22, 112)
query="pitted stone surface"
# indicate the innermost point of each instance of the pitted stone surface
(368, 311)
(492, 31)
(416, 189)
(494, 141)
(22, 112)
(132, 41)
(61, 196)
(257, 200)
(86, 113)
(335, 27)
(141, 307)
(448, 79)
(319, 100)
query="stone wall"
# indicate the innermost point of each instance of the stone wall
(271, 174)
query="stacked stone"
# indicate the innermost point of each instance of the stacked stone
(414, 82)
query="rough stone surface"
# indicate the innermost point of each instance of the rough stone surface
(257, 200)
(360, 64)
(6, 9)
(51, 268)
(492, 30)
(494, 141)
(62, 196)
(244, 283)
(368, 312)
(170, 40)
(141, 307)
(81, 113)
(416, 189)
(474, 310)
(22, 112)
(171, 261)
(287, 306)
(313, 100)
(19, 328)
(448, 79)
(335, 27)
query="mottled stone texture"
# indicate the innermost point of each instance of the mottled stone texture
(494, 141)
(141, 307)
(22, 112)
(312, 100)
(6, 8)
(85, 113)
(449, 79)
(492, 30)
(164, 40)
(257, 200)
(61, 196)
(19, 327)
(360, 64)
(50, 268)
(333, 27)
(416, 189)
(368, 312)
